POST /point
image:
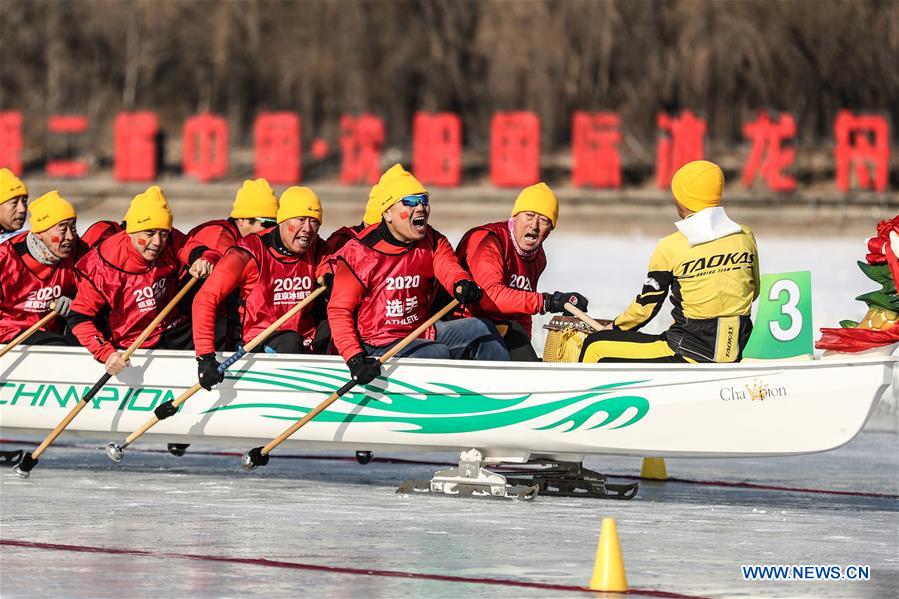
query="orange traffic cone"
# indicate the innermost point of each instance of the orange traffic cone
(608, 571)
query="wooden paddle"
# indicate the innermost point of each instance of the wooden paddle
(29, 460)
(170, 408)
(258, 456)
(596, 324)
(31, 330)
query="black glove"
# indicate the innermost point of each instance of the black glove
(467, 292)
(363, 368)
(556, 302)
(207, 371)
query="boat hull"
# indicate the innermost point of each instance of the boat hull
(510, 411)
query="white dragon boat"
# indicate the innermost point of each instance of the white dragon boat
(492, 412)
(510, 412)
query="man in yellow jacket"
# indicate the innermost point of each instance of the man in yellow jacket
(710, 266)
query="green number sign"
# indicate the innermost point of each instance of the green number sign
(783, 326)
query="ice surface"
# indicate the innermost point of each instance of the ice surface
(676, 537)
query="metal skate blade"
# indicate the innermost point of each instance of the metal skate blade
(247, 462)
(114, 452)
(411, 487)
(21, 473)
(426, 487)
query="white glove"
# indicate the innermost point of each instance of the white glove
(62, 305)
(894, 243)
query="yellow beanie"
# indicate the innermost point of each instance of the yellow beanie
(538, 198)
(50, 209)
(299, 201)
(394, 185)
(372, 214)
(255, 199)
(698, 185)
(10, 186)
(148, 210)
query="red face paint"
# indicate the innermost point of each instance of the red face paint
(141, 242)
(404, 215)
(54, 239)
(291, 228)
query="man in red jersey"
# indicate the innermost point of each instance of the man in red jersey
(384, 284)
(13, 204)
(39, 269)
(273, 271)
(253, 211)
(506, 259)
(334, 243)
(129, 277)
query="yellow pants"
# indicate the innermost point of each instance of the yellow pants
(627, 346)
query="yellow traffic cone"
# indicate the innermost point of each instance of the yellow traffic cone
(654, 468)
(608, 571)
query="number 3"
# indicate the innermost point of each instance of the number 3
(787, 309)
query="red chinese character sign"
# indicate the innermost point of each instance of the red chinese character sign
(319, 148)
(514, 149)
(862, 145)
(11, 141)
(361, 139)
(205, 147)
(682, 140)
(65, 144)
(769, 156)
(594, 145)
(277, 136)
(135, 146)
(437, 148)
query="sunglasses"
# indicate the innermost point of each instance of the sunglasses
(415, 199)
(268, 224)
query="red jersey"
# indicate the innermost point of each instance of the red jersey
(99, 231)
(383, 290)
(29, 287)
(508, 279)
(114, 276)
(341, 236)
(270, 282)
(216, 235)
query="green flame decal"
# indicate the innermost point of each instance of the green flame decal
(443, 409)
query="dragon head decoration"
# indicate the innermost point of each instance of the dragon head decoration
(880, 324)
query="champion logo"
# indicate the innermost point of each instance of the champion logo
(757, 391)
(144, 220)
